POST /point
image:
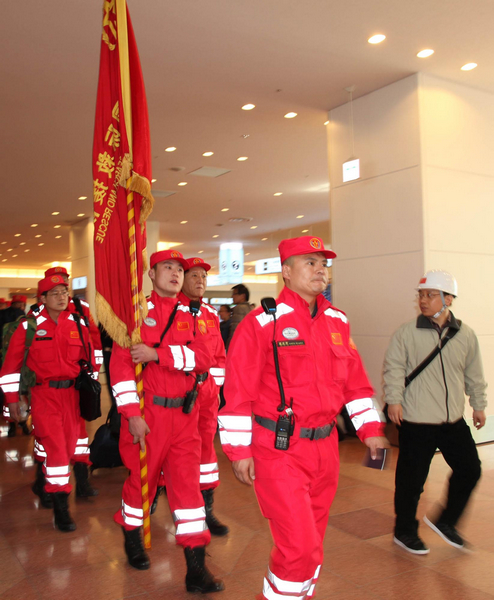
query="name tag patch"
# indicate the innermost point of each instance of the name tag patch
(150, 322)
(290, 343)
(290, 333)
(41, 332)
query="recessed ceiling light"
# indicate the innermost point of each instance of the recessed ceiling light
(41, 244)
(4, 260)
(38, 236)
(225, 209)
(425, 53)
(153, 180)
(200, 251)
(82, 198)
(9, 249)
(278, 194)
(377, 39)
(80, 215)
(248, 106)
(326, 122)
(300, 216)
(34, 225)
(290, 115)
(22, 244)
(14, 255)
(17, 235)
(207, 153)
(27, 250)
(55, 213)
(183, 222)
(305, 230)
(263, 239)
(4, 242)
(215, 236)
(57, 237)
(56, 226)
(469, 66)
(182, 183)
(247, 253)
(242, 158)
(254, 227)
(170, 149)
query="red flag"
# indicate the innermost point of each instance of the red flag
(121, 156)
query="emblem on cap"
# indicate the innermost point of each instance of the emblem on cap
(423, 280)
(198, 261)
(315, 243)
(175, 254)
(55, 279)
(150, 322)
(290, 333)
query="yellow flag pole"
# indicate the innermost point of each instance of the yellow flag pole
(123, 49)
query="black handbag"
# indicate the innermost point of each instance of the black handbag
(89, 389)
(104, 452)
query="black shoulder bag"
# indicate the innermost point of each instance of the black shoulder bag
(89, 388)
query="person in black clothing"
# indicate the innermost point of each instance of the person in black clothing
(225, 313)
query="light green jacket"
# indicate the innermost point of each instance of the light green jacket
(437, 395)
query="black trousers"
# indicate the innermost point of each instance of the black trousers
(418, 444)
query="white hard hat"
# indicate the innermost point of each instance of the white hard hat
(439, 280)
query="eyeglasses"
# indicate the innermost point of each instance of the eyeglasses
(429, 295)
(63, 294)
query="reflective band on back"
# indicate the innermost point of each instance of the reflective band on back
(178, 357)
(281, 310)
(236, 438)
(270, 594)
(189, 514)
(356, 406)
(209, 467)
(330, 312)
(241, 423)
(192, 527)
(190, 359)
(369, 416)
(282, 585)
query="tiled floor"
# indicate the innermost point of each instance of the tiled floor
(361, 561)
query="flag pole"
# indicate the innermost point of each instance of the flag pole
(123, 48)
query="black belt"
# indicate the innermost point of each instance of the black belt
(312, 433)
(62, 384)
(168, 402)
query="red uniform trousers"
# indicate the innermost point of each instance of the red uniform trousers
(81, 453)
(295, 490)
(208, 422)
(173, 446)
(56, 416)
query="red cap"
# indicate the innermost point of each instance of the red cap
(2, 301)
(19, 299)
(48, 283)
(168, 255)
(56, 271)
(198, 262)
(307, 244)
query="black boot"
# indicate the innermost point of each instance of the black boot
(159, 490)
(12, 429)
(38, 487)
(215, 527)
(25, 428)
(83, 488)
(63, 520)
(199, 578)
(134, 549)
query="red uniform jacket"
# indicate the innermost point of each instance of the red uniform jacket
(179, 356)
(320, 369)
(53, 355)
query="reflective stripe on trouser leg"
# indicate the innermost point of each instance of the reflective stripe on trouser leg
(310, 593)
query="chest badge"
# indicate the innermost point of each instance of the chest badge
(41, 332)
(150, 322)
(201, 325)
(290, 333)
(336, 339)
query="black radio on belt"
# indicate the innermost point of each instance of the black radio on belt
(284, 430)
(191, 396)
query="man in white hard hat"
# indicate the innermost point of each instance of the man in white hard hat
(430, 364)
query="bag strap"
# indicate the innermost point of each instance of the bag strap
(86, 350)
(427, 361)
(168, 325)
(30, 331)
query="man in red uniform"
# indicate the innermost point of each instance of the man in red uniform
(80, 460)
(195, 282)
(319, 371)
(54, 357)
(176, 363)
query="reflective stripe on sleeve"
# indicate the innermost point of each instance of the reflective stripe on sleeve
(178, 357)
(236, 438)
(235, 422)
(235, 430)
(218, 375)
(369, 416)
(190, 359)
(10, 383)
(358, 406)
(125, 392)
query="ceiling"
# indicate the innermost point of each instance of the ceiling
(202, 61)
